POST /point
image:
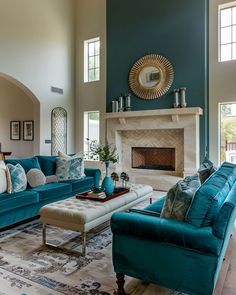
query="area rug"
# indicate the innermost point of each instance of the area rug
(28, 268)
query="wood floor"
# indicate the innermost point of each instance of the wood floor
(229, 286)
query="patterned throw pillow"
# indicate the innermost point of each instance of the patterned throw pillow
(35, 177)
(69, 168)
(179, 198)
(206, 169)
(17, 181)
(3, 179)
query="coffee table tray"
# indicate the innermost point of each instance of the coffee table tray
(88, 195)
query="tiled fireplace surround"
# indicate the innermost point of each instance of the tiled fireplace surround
(166, 128)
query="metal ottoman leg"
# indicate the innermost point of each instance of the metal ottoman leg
(44, 234)
(84, 244)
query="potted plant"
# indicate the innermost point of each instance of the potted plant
(106, 154)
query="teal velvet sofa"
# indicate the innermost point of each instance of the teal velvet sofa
(21, 206)
(183, 256)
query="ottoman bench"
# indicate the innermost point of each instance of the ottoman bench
(84, 215)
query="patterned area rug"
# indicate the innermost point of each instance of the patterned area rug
(28, 268)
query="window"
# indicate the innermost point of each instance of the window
(227, 31)
(92, 60)
(228, 132)
(91, 132)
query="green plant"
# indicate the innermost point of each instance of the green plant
(106, 153)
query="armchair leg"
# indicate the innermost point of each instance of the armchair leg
(120, 284)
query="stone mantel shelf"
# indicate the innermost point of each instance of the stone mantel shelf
(174, 113)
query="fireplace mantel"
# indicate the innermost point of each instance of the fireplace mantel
(173, 113)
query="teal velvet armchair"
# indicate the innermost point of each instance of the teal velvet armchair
(173, 254)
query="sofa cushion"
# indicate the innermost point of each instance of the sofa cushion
(47, 164)
(13, 201)
(17, 178)
(157, 205)
(27, 163)
(81, 184)
(35, 177)
(206, 169)
(210, 196)
(179, 198)
(52, 190)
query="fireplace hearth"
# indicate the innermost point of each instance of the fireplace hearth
(153, 158)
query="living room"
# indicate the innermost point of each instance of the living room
(154, 79)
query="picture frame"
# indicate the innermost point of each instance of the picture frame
(15, 130)
(28, 130)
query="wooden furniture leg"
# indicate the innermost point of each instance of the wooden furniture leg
(120, 284)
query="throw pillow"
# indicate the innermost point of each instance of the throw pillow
(69, 168)
(51, 179)
(3, 178)
(35, 177)
(16, 178)
(179, 198)
(206, 169)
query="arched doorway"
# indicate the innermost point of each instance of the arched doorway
(18, 103)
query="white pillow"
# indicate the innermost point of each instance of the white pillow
(35, 177)
(3, 181)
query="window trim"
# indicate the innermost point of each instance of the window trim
(221, 7)
(86, 59)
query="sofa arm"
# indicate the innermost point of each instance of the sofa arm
(166, 231)
(93, 172)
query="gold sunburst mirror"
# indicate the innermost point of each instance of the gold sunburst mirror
(151, 76)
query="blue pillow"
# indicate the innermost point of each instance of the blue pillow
(70, 168)
(179, 198)
(17, 181)
(27, 163)
(47, 164)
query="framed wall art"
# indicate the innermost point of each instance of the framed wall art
(28, 130)
(15, 128)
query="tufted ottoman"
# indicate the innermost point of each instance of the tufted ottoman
(84, 215)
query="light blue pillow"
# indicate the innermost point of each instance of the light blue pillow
(17, 178)
(70, 168)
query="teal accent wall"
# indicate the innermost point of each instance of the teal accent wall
(177, 30)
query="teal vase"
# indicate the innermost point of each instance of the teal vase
(107, 183)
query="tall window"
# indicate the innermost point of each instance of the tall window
(91, 132)
(92, 60)
(227, 31)
(228, 132)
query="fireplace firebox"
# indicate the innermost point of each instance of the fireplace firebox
(153, 158)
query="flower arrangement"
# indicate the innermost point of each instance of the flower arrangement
(105, 153)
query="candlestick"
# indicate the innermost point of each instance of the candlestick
(121, 104)
(183, 97)
(176, 98)
(128, 102)
(115, 106)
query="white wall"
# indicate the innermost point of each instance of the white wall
(91, 23)
(222, 85)
(15, 105)
(37, 40)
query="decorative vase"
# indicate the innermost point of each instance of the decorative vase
(107, 183)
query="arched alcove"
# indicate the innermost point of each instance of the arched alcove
(18, 103)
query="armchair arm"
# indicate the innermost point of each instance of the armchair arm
(93, 172)
(166, 231)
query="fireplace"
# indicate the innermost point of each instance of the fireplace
(153, 158)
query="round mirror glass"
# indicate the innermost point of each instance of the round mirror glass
(149, 77)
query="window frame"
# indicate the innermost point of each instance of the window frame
(86, 146)
(229, 5)
(87, 57)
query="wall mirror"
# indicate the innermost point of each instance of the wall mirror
(151, 76)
